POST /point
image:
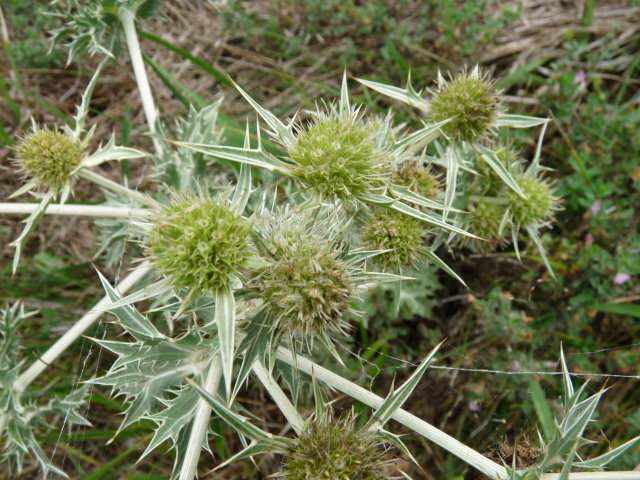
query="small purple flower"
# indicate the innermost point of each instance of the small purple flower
(580, 79)
(621, 278)
(595, 207)
(588, 240)
(473, 406)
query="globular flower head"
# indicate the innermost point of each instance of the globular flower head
(336, 450)
(471, 102)
(485, 220)
(401, 235)
(305, 284)
(539, 205)
(417, 178)
(339, 155)
(199, 243)
(49, 157)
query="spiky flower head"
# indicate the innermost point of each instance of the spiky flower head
(336, 450)
(485, 219)
(539, 205)
(48, 157)
(339, 155)
(199, 243)
(305, 285)
(417, 178)
(471, 102)
(401, 235)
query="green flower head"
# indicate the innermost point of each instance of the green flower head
(401, 235)
(485, 220)
(339, 155)
(304, 285)
(48, 158)
(417, 178)
(471, 102)
(336, 450)
(199, 243)
(539, 205)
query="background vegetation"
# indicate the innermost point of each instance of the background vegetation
(578, 62)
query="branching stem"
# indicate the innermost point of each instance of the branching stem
(79, 210)
(284, 404)
(128, 24)
(200, 422)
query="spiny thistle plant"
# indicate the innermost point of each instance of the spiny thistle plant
(250, 273)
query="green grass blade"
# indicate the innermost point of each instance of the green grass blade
(214, 72)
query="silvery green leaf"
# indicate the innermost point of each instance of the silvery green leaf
(30, 224)
(239, 423)
(172, 420)
(412, 212)
(251, 156)
(145, 293)
(27, 187)
(396, 398)
(441, 264)
(254, 448)
(321, 410)
(225, 319)
(453, 161)
(252, 347)
(344, 96)
(500, 169)
(395, 440)
(131, 320)
(533, 233)
(242, 190)
(407, 95)
(566, 378)
(110, 151)
(406, 195)
(83, 109)
(518, 121)
(602, 460)
(419, 139)
(282, 131)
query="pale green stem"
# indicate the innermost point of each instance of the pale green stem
(285, 406)
(117, 188)
(78, 210)
(200, 423)
(128, 24)
(473, 458)
(459, 449)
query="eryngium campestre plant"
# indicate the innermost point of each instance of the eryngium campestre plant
(48, 157)
(198, 243)
(336, 450)
(470, 101)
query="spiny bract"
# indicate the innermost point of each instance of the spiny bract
(338, 156)
(470, 101)
(400, 234)
(198, 243)
(537, 207)
(335, 451)
(49, 157)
